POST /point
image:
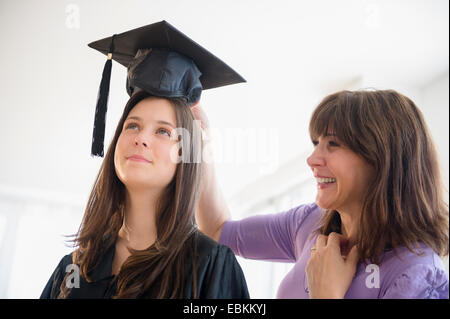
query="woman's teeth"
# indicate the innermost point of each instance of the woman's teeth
(325, 180)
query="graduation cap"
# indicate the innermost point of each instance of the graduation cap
(161, 61)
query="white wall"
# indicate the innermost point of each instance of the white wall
(435, 108)
(32, 241)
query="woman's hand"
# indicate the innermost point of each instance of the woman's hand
(200, 115)
(328, 273)
(212, 210)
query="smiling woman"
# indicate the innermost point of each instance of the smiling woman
(379, 206)
(388, 164)
(343, 177)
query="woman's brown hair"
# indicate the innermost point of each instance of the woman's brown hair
(404, 204)
(161, 265)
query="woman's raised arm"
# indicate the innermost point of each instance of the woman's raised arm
(212, 211)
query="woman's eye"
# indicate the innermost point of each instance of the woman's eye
(333, 143)
(330, 143)
(163, 131)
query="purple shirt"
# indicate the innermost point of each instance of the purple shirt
(288, 237)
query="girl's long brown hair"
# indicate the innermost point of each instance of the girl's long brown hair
(404, 204)
(161, 265)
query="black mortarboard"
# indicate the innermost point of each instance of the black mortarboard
(161, 61)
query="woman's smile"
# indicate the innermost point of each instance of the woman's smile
(325, 182)
(324, 185)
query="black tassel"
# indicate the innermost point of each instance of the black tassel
(98, 135)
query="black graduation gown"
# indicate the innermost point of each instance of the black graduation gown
(218, 275)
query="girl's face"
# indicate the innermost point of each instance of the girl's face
(343, 177)
(142, 156)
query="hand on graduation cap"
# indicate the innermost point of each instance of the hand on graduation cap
(200, 115)
(329, 274)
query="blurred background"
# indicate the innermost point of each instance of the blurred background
(292, 54)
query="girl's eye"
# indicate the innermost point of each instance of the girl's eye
(315, 143)
(131, 125)
(163, 131)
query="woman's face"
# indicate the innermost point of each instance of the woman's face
(142, 156)
(342, 176)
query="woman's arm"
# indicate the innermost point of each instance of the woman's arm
(212, 211)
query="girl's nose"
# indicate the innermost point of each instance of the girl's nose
(139, 140)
